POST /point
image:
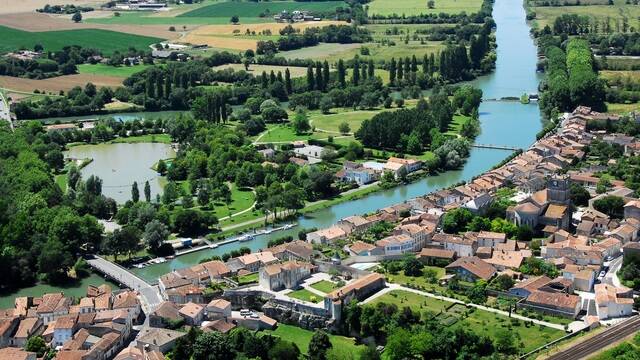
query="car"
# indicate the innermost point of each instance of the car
(609, 258)
(602, 274)
(254, 316)
(245, 312)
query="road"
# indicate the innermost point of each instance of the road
(149, 295)
(611, 277)
(594, 344)
(392, 287)
(5, 111)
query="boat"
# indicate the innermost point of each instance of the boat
(288, 226)
(247, 237)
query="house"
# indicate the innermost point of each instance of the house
(216, 269)
(396, 244)
(64, 329)
(410, 164)
(613, 302)
(395, 168)
(421, 235)
(295, 250)
(52, 306)
(27, 328)
(268, 153)
(284, 276)
(354, 224)
(583, 277)
(503, 260)
(252, 262)
(491, 239)
(165, 314)
(625, 233)
(524, 288)
(218, 309)
(359, 289)
(471, 268)
(462, 246)
(155, 339)
(11, 353)
(326, 236)
(361, 248)
(358, 173)
(632, 210)
(610, 247)
(86, 305)
(127, 300)
(220, 325)
(8, 326)
(192, 313)
(434, 256)
(554, 303)
(312, 152)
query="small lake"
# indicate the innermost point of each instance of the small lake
(125, 116)
(120, 164)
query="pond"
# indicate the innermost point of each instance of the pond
(120, 164)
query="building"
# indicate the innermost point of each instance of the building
(358, 173)
(359, 289)
(471, 268)
(396, 244)
(526, 287)
(503, 260)
(165, 314)
(582, 277)
(354, 224)
(295, 250)
(127, 300)
(161, 340)
(554, 303)
(27, 328)
(613, 302)
(632, 210)
(491, 239)
(361, 248)
(462, 246)
(326, 236)
(252, 262)
(434, 256)
(284, 276)
(410, 164)
(11, 353)
(64, 329)
(192, 313)
(218, 309)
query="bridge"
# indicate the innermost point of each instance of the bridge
(497, 147)
(150, 295)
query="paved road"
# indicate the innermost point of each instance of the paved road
(586, 348)
(150, 295)
(611, 277)
(391, 287)
(5, 112)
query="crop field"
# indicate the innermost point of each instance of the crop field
(104, 40)
(256, 69)
(108, 70)
(139, 18)
(546, 15)
(54, 85)
(256, 9)
(331, 52)
(331, 122)
(235, 36)
(18, 6)
(414, 7)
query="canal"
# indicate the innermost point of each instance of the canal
(503, 123)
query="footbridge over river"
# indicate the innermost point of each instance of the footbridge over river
(497, 147)
(149, 295)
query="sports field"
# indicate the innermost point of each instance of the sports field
(256, 9)
(414, 7)
(103, 40)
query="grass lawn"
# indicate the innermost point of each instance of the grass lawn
(302, 337)
(545, 15)
(479, 321)
(456, 124)
(325, 286)
(108, 70)
(241, 199)
(331, 122)
(305, 295)
(103, 40)
(255, 9)
(622, 108)
(401, 278)
(414, 7)
(285, 133)
(248, 279)
(62, 180)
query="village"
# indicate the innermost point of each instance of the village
(307, 283)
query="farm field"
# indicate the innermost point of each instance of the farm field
(234, 36)
(104, 40)
(302, 337)
(108, 70)
(545, 15)
(256, 69)
(415, 7)
(54, 85)
(478, 321)
(13, 6)
(608, 74)
(622, 108)
(256, 9)
(330, 52)
(139, 18)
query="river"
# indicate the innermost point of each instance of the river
(502, 123)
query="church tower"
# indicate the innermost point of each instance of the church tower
(558, 189)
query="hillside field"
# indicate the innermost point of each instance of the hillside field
(103, 40)
(253, 9)
(545, 15)
(414, 7)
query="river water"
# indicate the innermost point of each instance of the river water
(503, 123)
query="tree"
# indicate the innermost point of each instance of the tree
(456, 220)
(213, 346)
(301, 122)
(413, 267)
(610, 205)
(135, 193)
(77, 17)
(504, 341)
(524, 233)
(147, 191)
(155, 234)
(325, 104)
(53, 260)
(319, 345)
(55, 159)
(503, 282)
(344, 127)
(431, 4)
(37, 345)
(579, 195)
(399, 345)
(235, 19)
(122, 241)
(284, 350)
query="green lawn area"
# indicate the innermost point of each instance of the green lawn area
(302, 337)
(331, 122)
(456, 124)
(103, 40)
(401, 278)
(622, 108)
(414, 7)
(255, 9)
(61, 180)
(104, 69)
(479, 321)
(248, 279)
(241, 199)
(285, 133)
(305, 295)
(149, 138)
(325, 286)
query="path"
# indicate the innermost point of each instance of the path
(150, 295)
(5, 110)
(391, 287)
(611, 277)
(596, 343)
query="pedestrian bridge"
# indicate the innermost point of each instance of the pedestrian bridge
(497, 147)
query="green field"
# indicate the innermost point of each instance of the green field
(302, 337)
(456, 125)
(285, 133)
(108, 70)
(415, 7)
(144, 18)
(478, 321)
(325, 286)
(248, 279)
(331, 122)
(614, 13)
(103, 40)
(305, 295)
(255, 9)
